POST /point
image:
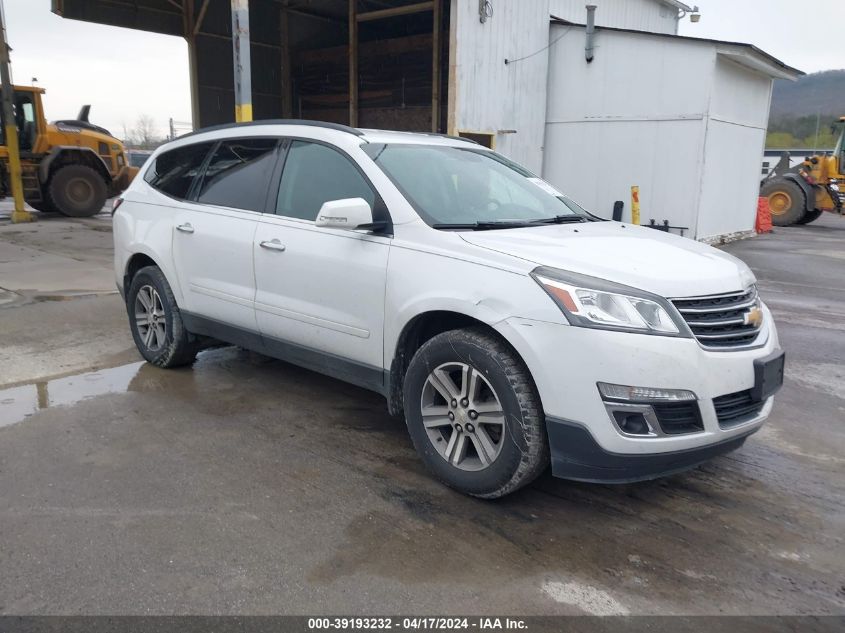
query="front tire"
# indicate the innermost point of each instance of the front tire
(786, 201)
(155, 321)
(77, 191)
(474, 414)
(810, 216)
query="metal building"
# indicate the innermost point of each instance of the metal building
(503, 72)
(683, 118)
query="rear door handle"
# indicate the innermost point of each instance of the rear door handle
(273, 245)
(185, 228)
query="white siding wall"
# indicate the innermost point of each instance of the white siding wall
(634, 116)
(641, 15)
(493, 96)
(736, 137)
(490, 96)
(670, 115)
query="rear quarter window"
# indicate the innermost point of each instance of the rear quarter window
(173, 172)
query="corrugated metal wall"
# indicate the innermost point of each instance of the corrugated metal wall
(736, 138)
(509, 99)
(670, 115)
(642, 15)
(493, 96)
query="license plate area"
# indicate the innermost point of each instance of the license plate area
(768, 376)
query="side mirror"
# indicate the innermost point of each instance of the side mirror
(349, 214)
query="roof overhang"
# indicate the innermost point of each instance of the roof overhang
(678, 5)
(759, 61)
(741, 53)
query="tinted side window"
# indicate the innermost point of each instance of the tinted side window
(239, 173)
(315, 174)
(173, 172)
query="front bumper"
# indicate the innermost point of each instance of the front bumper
(576, 455)
(566, 362)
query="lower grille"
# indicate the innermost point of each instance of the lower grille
(724, 321)
(677, 418)
(736, 408)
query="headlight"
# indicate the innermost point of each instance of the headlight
(596, 303)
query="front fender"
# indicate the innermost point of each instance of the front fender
(806, 187)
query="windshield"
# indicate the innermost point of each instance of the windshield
(467, 188)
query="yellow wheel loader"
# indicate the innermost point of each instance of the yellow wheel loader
(800, 194)
(67, 166)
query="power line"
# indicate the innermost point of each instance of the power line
(519, 59)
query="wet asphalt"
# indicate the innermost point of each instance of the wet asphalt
(243, 485)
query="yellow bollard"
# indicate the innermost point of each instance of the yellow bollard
(635, 205)
(19, 214)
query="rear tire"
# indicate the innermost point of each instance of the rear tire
(786, 201)
(44, 206)
(77, 191)
(156, 322)
(810, 216)
(489, 438)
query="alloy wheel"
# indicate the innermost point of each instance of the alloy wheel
(463, 416)
(150, 318)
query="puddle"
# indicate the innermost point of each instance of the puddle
(18, 403)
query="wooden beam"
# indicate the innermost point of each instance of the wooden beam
(201, 16)
(353, 63)
(435, 67)
(317, 16)
(392, 13)
(287, 86)
(366, 50)
(452, 80)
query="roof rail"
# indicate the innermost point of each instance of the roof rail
(451, 136)
(323, 124)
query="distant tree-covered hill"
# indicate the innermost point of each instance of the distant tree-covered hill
(797, 105)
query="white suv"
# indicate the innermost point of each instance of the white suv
(510, 326)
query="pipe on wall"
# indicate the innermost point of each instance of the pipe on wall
(591, 32)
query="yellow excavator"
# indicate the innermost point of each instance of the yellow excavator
(800, 194)
(69, 166)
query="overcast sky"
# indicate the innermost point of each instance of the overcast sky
(124, 73)
(806, 35)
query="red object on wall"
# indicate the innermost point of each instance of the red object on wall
(764, 216)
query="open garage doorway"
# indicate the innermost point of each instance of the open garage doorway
(367, 63)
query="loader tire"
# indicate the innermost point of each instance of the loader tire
(77, 191)
(810, 216)
(786, 201)
(45, 206)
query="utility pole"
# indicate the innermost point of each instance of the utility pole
(11, 130)
(241, 59)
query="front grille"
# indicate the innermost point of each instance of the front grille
(676, 418)
(719, 321)
(735, 408)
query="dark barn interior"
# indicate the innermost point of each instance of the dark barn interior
(369, 63)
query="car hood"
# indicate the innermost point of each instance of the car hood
(644, 258)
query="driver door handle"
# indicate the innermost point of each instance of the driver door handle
(272, 245)
(185, 228)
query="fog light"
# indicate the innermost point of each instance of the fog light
(631, 423)
(627, 393)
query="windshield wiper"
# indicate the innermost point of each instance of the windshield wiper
(486, 225)
(563, 219)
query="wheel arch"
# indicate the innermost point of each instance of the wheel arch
(807, 188)
(142, 257)
(416, 332)
(62, 155)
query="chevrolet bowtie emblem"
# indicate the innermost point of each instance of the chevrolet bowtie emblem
(754, 317)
